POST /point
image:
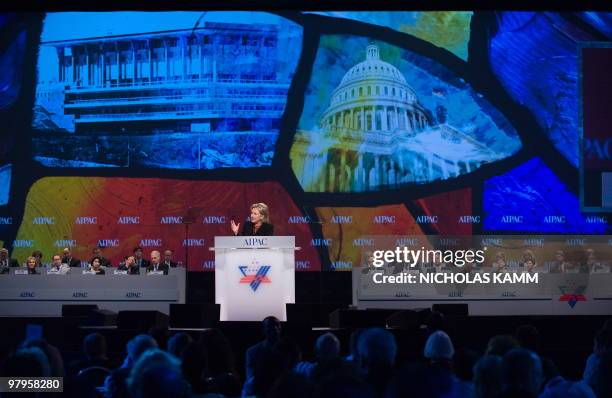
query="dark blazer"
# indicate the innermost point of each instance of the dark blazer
(173, 264)
(160, 267)
(100, 272)
(266, 229)
(145, 263)
(133, 270)
(74, 262)
(10, 262)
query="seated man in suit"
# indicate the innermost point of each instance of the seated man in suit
(141, 262)
(130, 266)
(5, 260)
(168, 259)
(58, 266)
(68, 259)
(155, 264)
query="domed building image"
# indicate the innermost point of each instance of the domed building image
(376, 135)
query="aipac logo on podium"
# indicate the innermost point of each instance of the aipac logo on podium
(254, 274)
(572, 293)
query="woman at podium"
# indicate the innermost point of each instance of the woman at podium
(258, 223)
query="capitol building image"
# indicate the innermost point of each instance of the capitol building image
(375, 135)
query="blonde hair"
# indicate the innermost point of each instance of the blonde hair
(263, 210)
(30, 258)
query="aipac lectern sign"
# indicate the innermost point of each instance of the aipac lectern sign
(254, 276)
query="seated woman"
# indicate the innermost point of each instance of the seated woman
(96, 266)
(31, 264)
(258, 224)
(38, 256)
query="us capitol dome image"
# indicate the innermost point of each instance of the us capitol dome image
(376, 135)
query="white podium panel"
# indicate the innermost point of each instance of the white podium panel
(254, 276)
(43, 294)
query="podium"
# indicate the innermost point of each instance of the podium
(254, 276)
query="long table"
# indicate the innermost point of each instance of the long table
(44, 294)
(555, 294)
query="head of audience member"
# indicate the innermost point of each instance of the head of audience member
(327, 347)
(488, 376)
(561, 388)
(37, 254)
(521, 372)
(377, 349)
(4, 254)
(157, 374)
(439, 348)
(94, 346)
(155, 257)
(130, 261)
(137, 253)
(26, 362)
(56, 362)
(137, 346)
(500, 345)
(168, 255)
(271, 327)
(417, 380)
(96, 263)
(178, 343)
(66, 254)
(528, 337)
(31, 263)
(56, 261)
